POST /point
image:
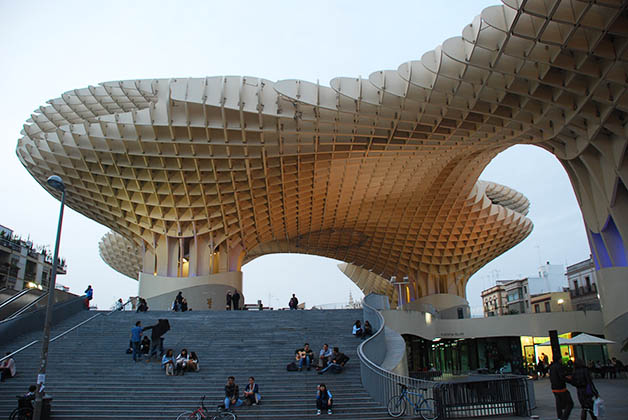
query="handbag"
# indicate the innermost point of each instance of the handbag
(599, 409)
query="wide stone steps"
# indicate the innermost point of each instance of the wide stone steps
(91, 376)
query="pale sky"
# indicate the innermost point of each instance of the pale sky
(47, 48)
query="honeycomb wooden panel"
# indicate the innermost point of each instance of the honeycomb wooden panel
(381, 172)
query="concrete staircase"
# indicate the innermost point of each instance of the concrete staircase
(91, 377)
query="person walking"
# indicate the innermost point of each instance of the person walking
(558, 381)
(229, 299)
(136, 337)
(236, 300)
(294, 302)
(583, 382)
(156, 337)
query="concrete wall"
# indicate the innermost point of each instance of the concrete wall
(160, 291)
(32, 321)
(428, 327)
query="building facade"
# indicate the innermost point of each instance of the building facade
(551, 302)
(582, 281)
(24, 266)
(494, 301)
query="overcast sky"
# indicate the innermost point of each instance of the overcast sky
(47, 48)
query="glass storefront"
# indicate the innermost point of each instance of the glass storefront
(464, 355)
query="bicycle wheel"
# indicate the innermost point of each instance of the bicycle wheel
(21, 414)
(189, 415)
(396, 406)
(225, 415)
(428, 410)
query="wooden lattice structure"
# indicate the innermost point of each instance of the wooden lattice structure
(379, 172)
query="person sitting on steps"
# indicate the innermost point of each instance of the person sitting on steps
(324, 357)
(181, 362)
(338, 361)
(357, 329)
(145, 346)
(193, 363)
(251, 393)
(368, 329)
(304, 354)
(324, 399)
(167, 362)
(7, 368)
(231, 394)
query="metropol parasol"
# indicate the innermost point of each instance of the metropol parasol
(196, 177)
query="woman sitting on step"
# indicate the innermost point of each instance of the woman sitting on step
(181, 363)
(193, 363)
(167, 362)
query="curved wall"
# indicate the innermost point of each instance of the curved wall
(201, 292)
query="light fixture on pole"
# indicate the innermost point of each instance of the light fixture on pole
(561, 302)
(57, 183)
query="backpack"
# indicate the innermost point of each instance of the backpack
(292, 367)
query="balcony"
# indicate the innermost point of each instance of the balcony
(583, 291)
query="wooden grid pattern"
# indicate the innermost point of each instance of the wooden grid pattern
(378, 172)
(121, 254)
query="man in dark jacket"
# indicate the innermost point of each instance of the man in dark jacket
(338, 361)
(236, 300)
(231, 394)
(156, 337)
(229, 299)
(558, 380)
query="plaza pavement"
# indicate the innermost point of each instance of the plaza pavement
(614, 392)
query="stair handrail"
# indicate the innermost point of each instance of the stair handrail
(25, 308)
(62, 334)
(380, 383)
(15, 297)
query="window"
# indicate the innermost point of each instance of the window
(525, 290)
(537, 309)
(575, 284)
(588, 280)
(547, 307)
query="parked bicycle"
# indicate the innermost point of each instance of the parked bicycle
(201, 413)
(426, 407)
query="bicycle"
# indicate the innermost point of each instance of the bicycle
(201, 413)
(426, 407)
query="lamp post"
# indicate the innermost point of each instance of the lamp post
(560, 302)
(57, 183)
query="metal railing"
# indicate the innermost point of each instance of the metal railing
(15, 297)
(380, 383)
(25, 308)
(475, 397)
(465, 397)
(32, 343)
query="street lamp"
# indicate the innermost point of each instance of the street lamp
(560, 302)
(57, 183)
